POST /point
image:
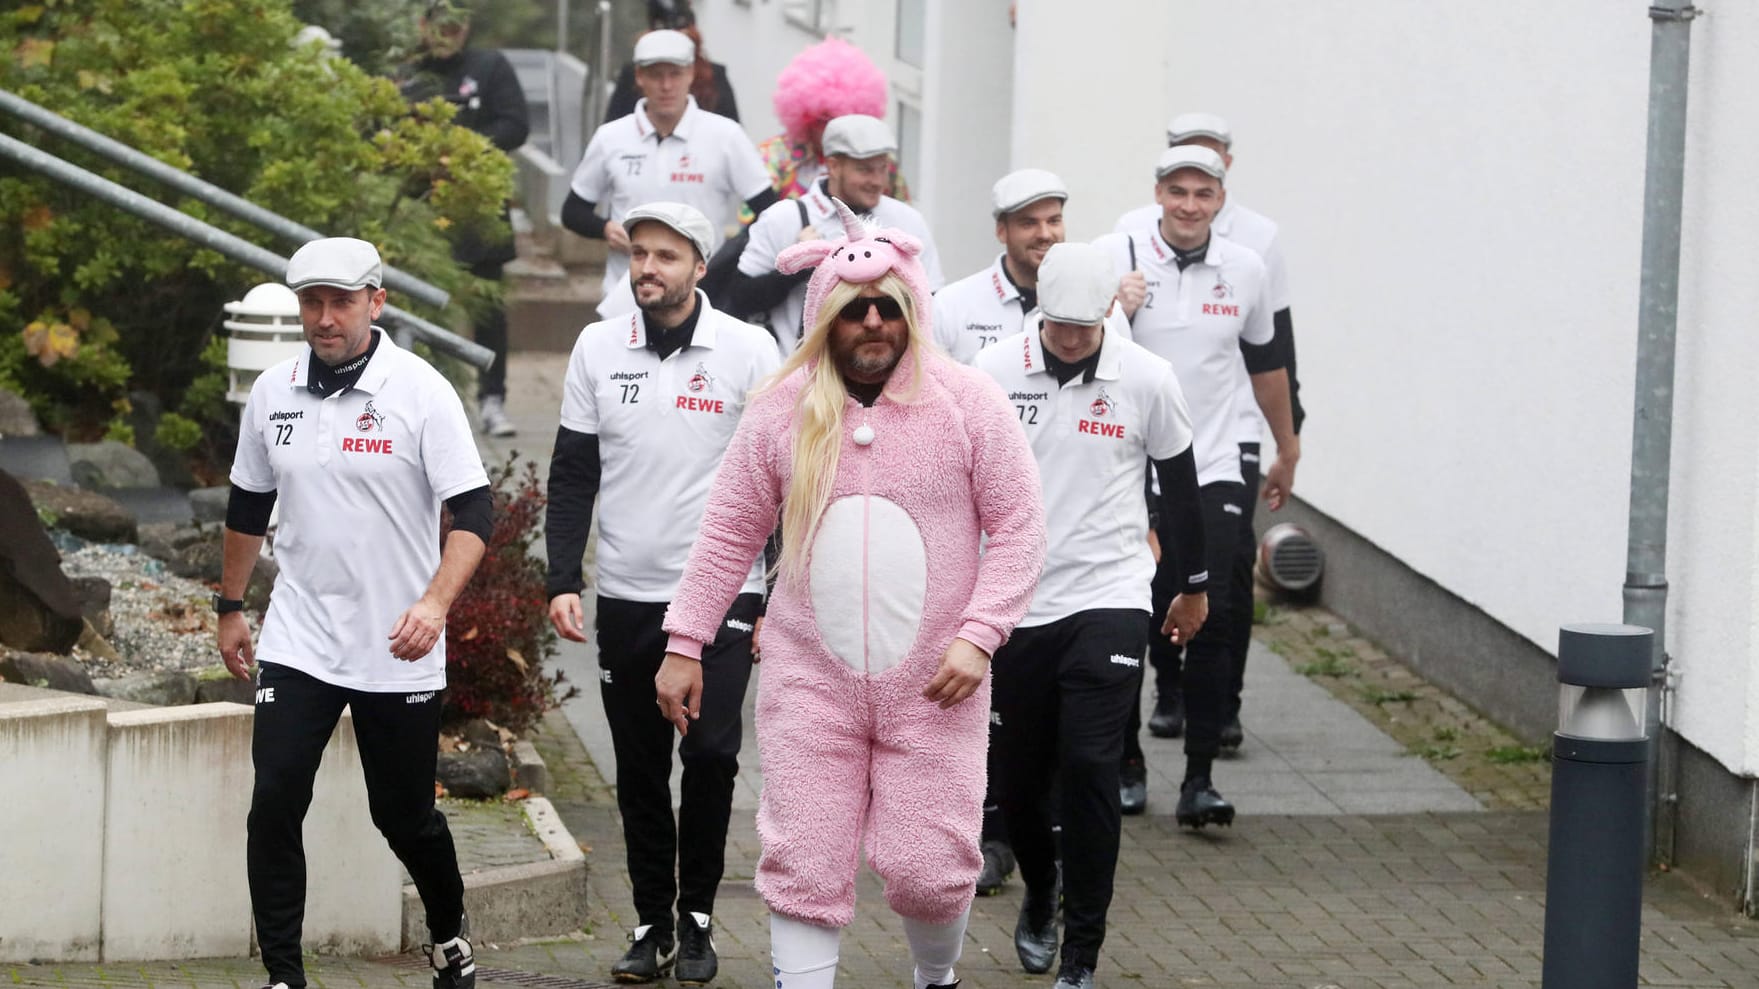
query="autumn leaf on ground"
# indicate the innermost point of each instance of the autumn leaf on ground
(34, 53)
(516, 794)
(518, 660)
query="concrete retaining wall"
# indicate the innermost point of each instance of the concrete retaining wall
(51, 828)
(122, 836)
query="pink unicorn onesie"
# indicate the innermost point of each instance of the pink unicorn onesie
(888, 462)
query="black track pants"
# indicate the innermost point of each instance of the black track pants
(1240, 580)
(1061, 701)
(1208, 660)
(631, 647)
(398, 738)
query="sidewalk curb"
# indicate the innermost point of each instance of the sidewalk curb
(512, 902)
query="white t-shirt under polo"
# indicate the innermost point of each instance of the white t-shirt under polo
(977, 310)
(707, 162)
(1093, 440)
(1195, 320)
(663, 426)
(1258, 232)
(359, 478)
(778, 228)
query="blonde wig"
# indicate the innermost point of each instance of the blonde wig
(818, 419)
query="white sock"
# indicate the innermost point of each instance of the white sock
(803, 955)
(935, 948)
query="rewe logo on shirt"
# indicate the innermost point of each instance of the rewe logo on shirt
(360, 444)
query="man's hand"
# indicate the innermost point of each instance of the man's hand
(808, 232)
(1279, 481)
(1132, 292)
(566, 616)
(617, 237)
(1154, 545)
(235, 648)
(756, 630)
(962, 668)
(678, 686)
(1184, 617)
(417, 631)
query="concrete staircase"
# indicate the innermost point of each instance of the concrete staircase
(553, 289)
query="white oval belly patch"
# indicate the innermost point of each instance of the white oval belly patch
(869, 582)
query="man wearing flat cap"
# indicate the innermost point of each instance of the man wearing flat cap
(649, 405)
(981, 308)
(359, 441)
(668, 150)
(858, 154)
(1097, 410)
(1208, 315)
(1257, 232)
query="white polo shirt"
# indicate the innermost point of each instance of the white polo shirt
(359, 477)
(1195, 319)
(1251, 229)
(1093, 440)
(707, 162)
(977, 310)
(778, 228)
(662, 427)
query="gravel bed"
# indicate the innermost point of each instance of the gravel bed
(163, 621)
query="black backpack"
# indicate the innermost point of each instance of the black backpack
(717, 281)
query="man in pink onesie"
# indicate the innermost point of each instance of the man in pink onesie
(888, 463)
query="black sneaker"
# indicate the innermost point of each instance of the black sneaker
(998, 865)
(1232, 735)
(1168, 719)
(454, 963)
(1199, 805)
(697, 962)
(1073, 976)
(649, 956)
(1035, 933)
(1133, 787)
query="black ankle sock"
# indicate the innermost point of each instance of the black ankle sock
(1197, 767)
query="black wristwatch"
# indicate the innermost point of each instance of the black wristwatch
(227, 605)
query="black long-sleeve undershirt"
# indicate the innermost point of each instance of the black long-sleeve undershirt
(249, 511)
(1284, 322)
(1179, 522)
(574, 484)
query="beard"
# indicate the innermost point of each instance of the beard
(853, 361)
(671, 296)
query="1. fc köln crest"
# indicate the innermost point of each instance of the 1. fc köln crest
(1102, 406)
(701, 380)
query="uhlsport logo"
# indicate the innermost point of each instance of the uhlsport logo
(420, 698)
(1102, 406)
(370, 419)
(701, 380)
(1130, 661)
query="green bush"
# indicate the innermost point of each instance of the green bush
(95, 303)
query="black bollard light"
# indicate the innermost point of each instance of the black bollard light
(1594, 875)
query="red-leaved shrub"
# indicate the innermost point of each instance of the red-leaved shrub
(498, 634)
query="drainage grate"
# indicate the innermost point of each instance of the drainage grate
(537, 980)
(508, 976)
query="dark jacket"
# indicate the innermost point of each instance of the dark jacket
(623, 98)
(481, 83)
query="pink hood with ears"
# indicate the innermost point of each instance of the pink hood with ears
(865, 254)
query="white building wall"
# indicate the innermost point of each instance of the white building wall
(1460, 192)
(1461, 199)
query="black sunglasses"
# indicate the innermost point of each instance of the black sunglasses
(856, 310)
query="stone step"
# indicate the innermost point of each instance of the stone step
(545, 312)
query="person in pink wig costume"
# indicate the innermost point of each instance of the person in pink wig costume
(888, 462)
(828, 80)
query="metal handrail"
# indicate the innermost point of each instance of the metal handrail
(207, 192)
(213, 238)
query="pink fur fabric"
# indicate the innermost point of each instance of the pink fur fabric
(865, 254)
(830, 79)
(847, 742)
